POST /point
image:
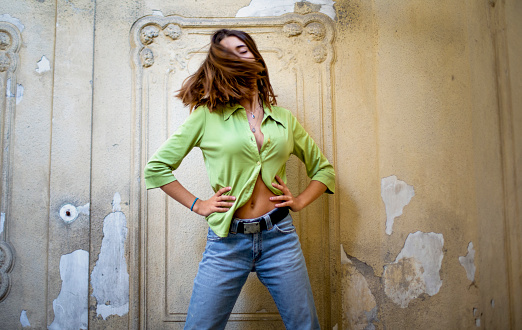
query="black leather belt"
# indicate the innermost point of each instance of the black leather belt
(259, 224)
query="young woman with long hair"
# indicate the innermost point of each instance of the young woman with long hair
(245, 140)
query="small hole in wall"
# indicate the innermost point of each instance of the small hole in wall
(68, 213)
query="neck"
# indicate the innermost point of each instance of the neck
(251, 103)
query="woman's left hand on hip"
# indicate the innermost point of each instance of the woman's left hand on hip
(287, 199)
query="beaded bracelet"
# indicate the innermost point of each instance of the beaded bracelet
(194, 203)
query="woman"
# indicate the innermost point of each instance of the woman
(245, 140)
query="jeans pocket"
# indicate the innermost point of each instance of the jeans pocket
(285, 226)
(211, 236)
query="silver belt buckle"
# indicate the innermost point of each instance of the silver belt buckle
(252, 227)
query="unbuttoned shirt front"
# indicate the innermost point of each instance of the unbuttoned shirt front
(232, 157)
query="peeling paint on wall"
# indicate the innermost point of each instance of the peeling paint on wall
(157, 13)
(43, 65)
(359, 305)
(416, 268)
(477, 318)
(24, 321)
(396, 195)
(71, 305)
(468, 262)
(19, 93)
(280, 7)
(2, 222)
(15, 21)
(85, 209)
(109, 278)
(8, 88)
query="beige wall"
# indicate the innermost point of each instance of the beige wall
(421, 90)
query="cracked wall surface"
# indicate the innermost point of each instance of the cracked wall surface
(359, 305)
(417, 112)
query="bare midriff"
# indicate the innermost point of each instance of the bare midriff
(258, 204)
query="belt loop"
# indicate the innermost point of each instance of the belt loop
(268, 221)
(233, 226)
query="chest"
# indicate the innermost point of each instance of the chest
(235, 137)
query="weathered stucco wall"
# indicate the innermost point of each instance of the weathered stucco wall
(427, 130)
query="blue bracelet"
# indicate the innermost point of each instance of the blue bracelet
(194, 204)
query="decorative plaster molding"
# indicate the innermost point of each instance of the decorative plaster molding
(10, 41)
(162, 51)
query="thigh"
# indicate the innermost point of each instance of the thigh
(221, 275)
(282, 269)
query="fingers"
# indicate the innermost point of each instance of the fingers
(223, 204)
(226, 198)
(279, 198)
(284, 199)
(285, 204)
(223, 190)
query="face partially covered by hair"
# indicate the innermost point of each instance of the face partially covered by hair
(234, 69)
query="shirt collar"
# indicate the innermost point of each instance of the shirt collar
(229, 109)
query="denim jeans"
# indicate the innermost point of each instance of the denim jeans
(274, 254)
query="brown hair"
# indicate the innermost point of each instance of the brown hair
(224, 77)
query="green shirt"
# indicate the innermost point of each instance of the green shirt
(232, 158)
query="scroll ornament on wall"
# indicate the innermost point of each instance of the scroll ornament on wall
(298, 49)
(10, 40)
(309, 30)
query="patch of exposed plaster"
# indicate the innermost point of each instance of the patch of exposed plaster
(24, 321)
(157, 13)
(279, 7)
(109, 278)
(468, 262)
(19, 93)
(359, 305)
(43, 65)
(84, 209)
(71, 305)
(396, 194)
(477, 317)
(15, 21)
(2, 222)
(8, 89)
(416, 268)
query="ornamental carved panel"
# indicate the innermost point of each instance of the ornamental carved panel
(165, 50)
(10, 40)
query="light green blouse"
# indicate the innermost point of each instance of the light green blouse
(232, 158)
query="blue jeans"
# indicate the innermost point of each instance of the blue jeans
(274, 254)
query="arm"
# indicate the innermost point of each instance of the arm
(310, 194)
(317, 168)
(158, 172)
(216, 203)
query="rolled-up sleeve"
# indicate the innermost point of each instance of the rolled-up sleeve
(317, 166)
(158, 171)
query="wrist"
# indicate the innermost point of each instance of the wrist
(193, 207)
(299, 204)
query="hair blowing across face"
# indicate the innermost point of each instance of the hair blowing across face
(224, 77)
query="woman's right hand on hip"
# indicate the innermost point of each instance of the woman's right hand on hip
(217, 203)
